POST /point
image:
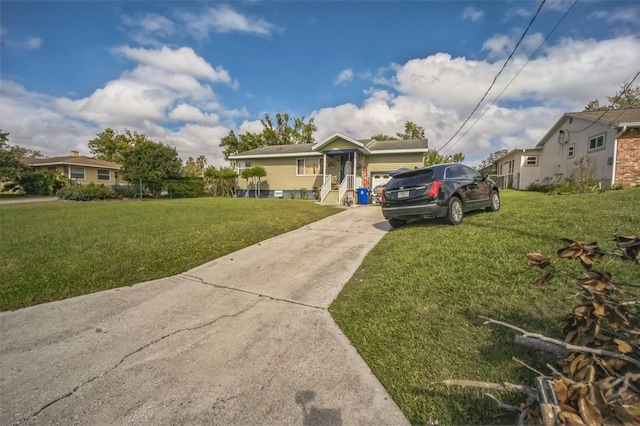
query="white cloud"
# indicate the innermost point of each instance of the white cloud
(223, 19)
(184, 112)
(498, 45)
(183, 61)
(472, 14)
(344, 77)
(149, 29)
(620, 15)
(32, 43)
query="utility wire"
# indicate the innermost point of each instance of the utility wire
(497, 75)
(515, 76)
(609, 108)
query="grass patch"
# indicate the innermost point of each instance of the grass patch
(411, 308)
(54, 250)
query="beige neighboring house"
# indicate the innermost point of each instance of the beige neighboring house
(79, 169)
(337, 166)
(518, 168)
(610, 140)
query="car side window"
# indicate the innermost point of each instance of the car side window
(452, 172)
(470, 173)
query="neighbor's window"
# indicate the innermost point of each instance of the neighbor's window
(596, 142)
(76, 173)
(571, 150)
(104, 174)
(532, 160)
(512, 164)
(243, 164)
(309, 166)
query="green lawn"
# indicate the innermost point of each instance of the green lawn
(412, 307)
(54, 250)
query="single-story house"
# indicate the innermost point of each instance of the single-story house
(518, 168)
(335, 166)
(79, 169)
(610, 140)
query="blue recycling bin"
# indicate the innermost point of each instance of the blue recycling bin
(363, 195)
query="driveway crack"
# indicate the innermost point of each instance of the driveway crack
(124, 358)
(293, 302)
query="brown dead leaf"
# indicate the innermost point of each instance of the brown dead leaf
(561, 391)
(570, 419)
(543, 279)
(623, 346)
(589, 412)
(537, 260)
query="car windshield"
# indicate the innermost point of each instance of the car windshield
(411, 180)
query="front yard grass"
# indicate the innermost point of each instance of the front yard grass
(412, 307)
(54, 250)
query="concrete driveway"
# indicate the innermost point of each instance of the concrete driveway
(242, 340)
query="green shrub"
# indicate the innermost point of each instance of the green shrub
(44, 183)
(303, 194)
(191, 187)
(87, 193)
(292, 194)
(128, 191)
(316, 192)
(539, 187)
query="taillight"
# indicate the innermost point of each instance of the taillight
(435, 188)
(382, 197)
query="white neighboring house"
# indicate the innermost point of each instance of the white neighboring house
(610, 140)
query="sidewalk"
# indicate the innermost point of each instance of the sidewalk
(245, 339)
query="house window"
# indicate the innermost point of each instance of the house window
(511, 166)
(76, 173)
(532, 161)
(243, 164)
(52, 169)
(104, 174)
(309, 166)
(596, 142)
(571, 150)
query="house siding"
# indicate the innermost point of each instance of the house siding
(338, 144)
(628, 158)
(390, 162)
(554, 161)
(281, 175)
(90, 174)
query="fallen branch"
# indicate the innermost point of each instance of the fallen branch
(568, 346)
(538, 345)
(503, 405)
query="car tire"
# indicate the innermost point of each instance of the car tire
(494, 201)
(455, 212)
(396, 223)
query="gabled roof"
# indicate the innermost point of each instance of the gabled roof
(615, 117)
(368, 146)
(71, 160)
(522, 150)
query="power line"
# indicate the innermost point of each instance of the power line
(609, 108)
(515, 76)
(497, 75)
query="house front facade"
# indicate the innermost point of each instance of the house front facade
(335, 167)
(80, 170)
(609, 140)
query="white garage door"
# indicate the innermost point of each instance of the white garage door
(379, 179)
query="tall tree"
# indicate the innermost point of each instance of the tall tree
(411, 131)
(110, 145)
(280, 132)
(253, 175)
(383, 137)
(220, 181)
(627, 97)
(434, 157)
(195, 168)
(491, 158)
(152, 162)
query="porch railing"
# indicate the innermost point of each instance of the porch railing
(345, 185)
(326, 188)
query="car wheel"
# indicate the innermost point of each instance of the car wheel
(396, 223)
(455, 211)
(494, 204)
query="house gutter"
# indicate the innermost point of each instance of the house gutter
(615, 154)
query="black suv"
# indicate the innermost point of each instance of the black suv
(441, 190)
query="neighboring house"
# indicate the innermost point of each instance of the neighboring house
(610, 140)
(79, 169)
(518, 168)
(335, 166)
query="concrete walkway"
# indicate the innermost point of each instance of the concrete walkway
(242, 340)
(22, 200)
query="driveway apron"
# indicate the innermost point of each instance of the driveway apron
(243, 340)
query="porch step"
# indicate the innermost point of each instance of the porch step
(332, 198)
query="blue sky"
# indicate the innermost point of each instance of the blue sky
(185, 73)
